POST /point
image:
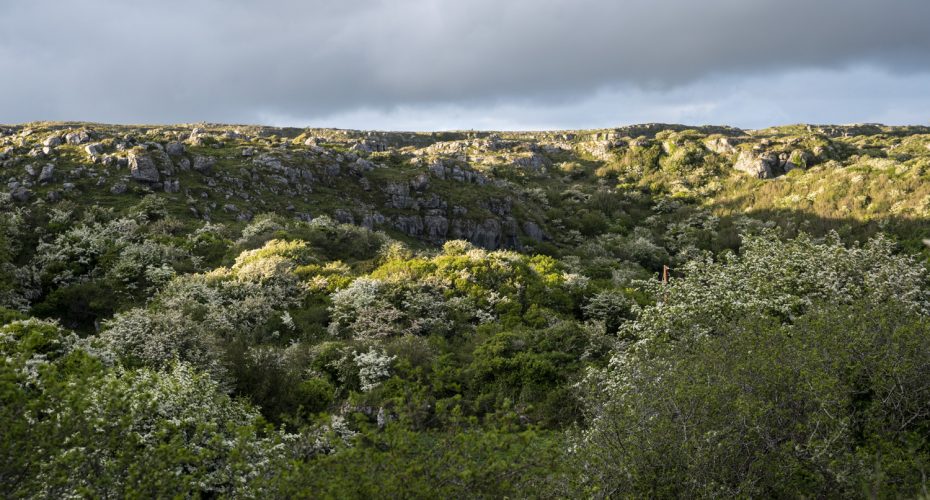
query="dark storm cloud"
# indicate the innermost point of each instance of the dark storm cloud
(234, 60)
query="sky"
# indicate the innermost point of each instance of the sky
(466, 64)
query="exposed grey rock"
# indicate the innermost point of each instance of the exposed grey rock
(498, 206)
(174, 148)
(172, 186)
(487, 234)
(535, 162)
(93, 150)
(411, 225)
(533, 231)
(79, 137)
(31, 170)
(21, 194)
(373, 219)
(762, 166)
(68, 186)
(52, 141)
(142, 168)
(437, 169)
(248, 152)
(166, 166)
(344, 216)
(203, 164)
(195, 138)
(721, 145)
(184, 164)
(396, 189)
(434, 202)
(361, 165)
(420, 182)
(399, 196)
(47, 174)
(436, 227)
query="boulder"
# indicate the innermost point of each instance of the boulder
(203, 164)
(47, 174)
(142, 168)
(79, 137)
(174, 148)
(535, 162)
(21, 194)
(93, 150)
(344, 216)
(721, 145)
(52, 141)
(762, 166)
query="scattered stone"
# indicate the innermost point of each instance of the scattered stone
(248, 152)
(204, 164)
(119, 188)
(47, 174)
(21, 194)
(762, 166)
(93, 150)
(195, 138)
(174, 148)
(142, 168)
(344, 216)
(52, 141)
(721, 145)
(79, 137)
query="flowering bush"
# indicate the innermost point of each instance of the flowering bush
(361, 311)
(373, 367)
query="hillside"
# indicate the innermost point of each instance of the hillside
(277, 311)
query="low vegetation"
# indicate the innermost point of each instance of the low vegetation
(337, 314)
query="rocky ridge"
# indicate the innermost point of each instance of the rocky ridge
(480, 186)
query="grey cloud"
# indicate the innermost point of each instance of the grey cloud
(237, 60)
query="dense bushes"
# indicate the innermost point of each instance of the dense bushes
(284, 358)
(791, 367)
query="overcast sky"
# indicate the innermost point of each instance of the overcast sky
(460, 64)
